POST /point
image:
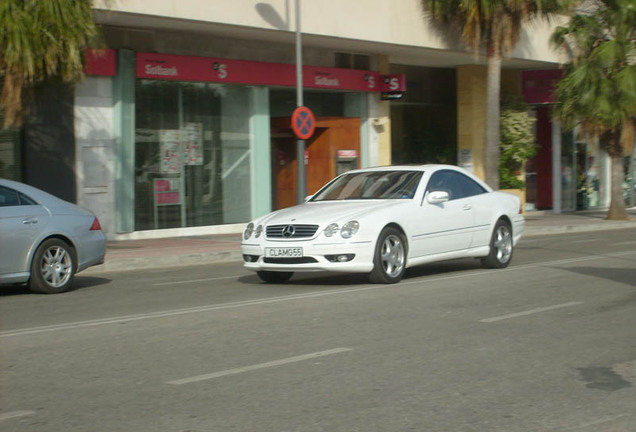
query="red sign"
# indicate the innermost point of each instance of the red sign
(187, 68)
(393, 83)
(303, 122)
(100, 62)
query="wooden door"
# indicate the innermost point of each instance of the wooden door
(332, 134)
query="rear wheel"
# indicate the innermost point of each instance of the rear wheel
(389, 261)
(274, 277)
(500, 246)
(53, 267)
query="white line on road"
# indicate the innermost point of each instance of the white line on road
(258, 366)
(586, 240)
(208, 308)
(530, 312)
(194, 281)
(625, 243)
(15, 414)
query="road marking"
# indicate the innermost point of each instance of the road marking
(315, 294)
(625, 243)
(258, 366)
(195, 281)
(15, 414)
(530, 312)
(598, 422)
(586, 240)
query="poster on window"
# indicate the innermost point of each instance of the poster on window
(169, 145)
(192, 144)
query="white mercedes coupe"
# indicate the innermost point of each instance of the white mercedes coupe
(383, 220)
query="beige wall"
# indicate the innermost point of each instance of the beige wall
(397, 22)
(471, 116)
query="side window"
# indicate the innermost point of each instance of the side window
(457, 185)
(8, 197)
(445, 181)
(468, 186)
(12, 198)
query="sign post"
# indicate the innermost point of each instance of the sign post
(301, 182)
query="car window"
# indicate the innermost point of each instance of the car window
(371, 185)
(12, 198)
(456, 184)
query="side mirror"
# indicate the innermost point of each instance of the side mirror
(437, 197)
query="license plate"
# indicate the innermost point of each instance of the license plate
(284, 252)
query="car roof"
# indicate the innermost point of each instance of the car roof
(426, 167)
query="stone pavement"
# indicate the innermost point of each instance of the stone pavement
(209, 249)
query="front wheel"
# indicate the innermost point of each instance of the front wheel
(389, 261)
(274, 277)
(53, 267)
(500, 246)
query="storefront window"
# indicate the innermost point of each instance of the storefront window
(192, 154)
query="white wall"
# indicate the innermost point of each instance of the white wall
(94, 149)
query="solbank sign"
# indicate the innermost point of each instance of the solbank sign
(205, 69)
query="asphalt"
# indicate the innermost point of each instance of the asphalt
(124, 255)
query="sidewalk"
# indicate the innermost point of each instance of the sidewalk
(210, 249)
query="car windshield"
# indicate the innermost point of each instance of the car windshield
(371, 185)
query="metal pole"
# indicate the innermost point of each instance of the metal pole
(301, 182)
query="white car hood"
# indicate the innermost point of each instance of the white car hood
(326, 212)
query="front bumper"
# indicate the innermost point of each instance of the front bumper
(314, 257)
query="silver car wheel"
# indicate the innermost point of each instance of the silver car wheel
(56, 266)
(503, 244)
(392, 256)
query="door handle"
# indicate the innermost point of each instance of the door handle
(29, 221)
(467, 207)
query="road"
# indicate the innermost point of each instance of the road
(548, 344)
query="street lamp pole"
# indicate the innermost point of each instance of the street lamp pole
(301, 182)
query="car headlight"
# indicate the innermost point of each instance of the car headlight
(249, 229)
(349, 229)
(331, 229)
(259, 231)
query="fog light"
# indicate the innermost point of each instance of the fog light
(342, 258)
(250, 258)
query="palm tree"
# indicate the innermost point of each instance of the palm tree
(40, 40)
(497, 24)
(598, 91)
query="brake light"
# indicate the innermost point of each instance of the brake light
(96, 226)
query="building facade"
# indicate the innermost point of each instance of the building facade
(182, 126)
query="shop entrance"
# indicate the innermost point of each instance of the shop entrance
(334, 148)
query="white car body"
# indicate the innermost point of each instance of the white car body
(434, 227)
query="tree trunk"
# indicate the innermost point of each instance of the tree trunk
(491, 149)
(617, 209)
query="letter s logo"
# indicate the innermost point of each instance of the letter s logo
(222, 71)
(371, 81)
(394, 84)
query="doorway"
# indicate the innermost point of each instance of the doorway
(334, 148)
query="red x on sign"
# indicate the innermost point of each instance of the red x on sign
(303, 122)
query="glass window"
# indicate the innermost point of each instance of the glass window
(11, 198)
(372, 185)
(192, 154)
(455, 184)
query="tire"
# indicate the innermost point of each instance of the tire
(53, 267)
(501, 247)
(274, 277)
(389, 260)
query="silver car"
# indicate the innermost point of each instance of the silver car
(45, 241)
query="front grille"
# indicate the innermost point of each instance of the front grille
(291, 231)
(303, 260)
